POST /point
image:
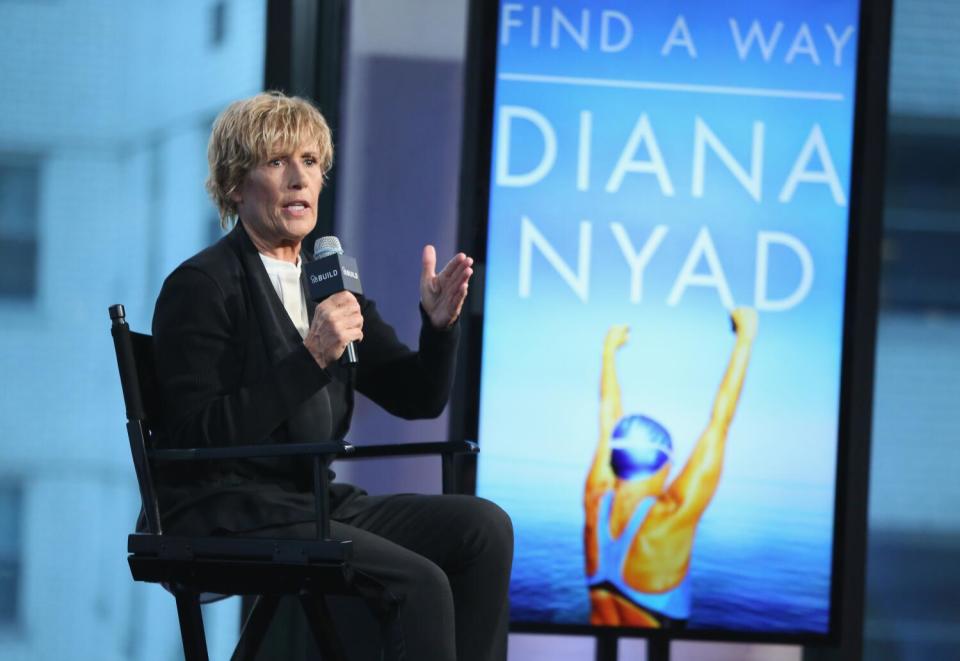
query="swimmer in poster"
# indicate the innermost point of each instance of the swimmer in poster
(639, 529)
(664, 166)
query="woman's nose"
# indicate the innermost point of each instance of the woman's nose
(297, 175)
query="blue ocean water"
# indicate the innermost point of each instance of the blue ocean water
(761, 560)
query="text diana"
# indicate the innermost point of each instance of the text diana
(643, 138)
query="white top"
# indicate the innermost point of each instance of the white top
(285, 278)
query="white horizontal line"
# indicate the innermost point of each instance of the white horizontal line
(672, 87)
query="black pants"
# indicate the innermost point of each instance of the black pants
(446, 558)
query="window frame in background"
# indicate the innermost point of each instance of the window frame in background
(20, 188)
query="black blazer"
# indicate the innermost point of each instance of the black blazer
(233, 370)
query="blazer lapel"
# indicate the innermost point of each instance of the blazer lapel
(278, 332)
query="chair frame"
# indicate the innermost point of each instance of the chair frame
(194, 567)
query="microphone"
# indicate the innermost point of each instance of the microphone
(330, 272)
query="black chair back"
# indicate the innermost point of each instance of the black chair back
(141, 396)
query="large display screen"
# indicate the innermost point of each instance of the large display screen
(664, 307)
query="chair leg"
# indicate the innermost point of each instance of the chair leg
(191, 626)
(321, 625)
(255, 628)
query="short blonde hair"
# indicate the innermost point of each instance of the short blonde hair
(250, 130)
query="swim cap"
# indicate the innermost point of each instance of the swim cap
(639, 446)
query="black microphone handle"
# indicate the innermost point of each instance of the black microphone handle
(349, 357)
(331, 272)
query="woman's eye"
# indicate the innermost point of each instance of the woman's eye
(275, 162)
(310, 161)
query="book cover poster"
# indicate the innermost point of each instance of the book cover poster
(663, 311)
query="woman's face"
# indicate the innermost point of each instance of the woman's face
(278, 198)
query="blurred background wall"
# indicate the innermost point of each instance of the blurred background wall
(106, 106)
(105, 109)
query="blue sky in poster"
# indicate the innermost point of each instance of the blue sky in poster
(781, 227)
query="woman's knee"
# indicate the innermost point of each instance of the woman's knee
(494, 528)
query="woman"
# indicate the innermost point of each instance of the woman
(244, 357)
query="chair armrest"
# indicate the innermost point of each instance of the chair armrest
(316, 451)
(252, 451)
(408, 449)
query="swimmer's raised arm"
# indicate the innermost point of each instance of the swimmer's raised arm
(694, 488)
(600, 479)
(611, 404)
